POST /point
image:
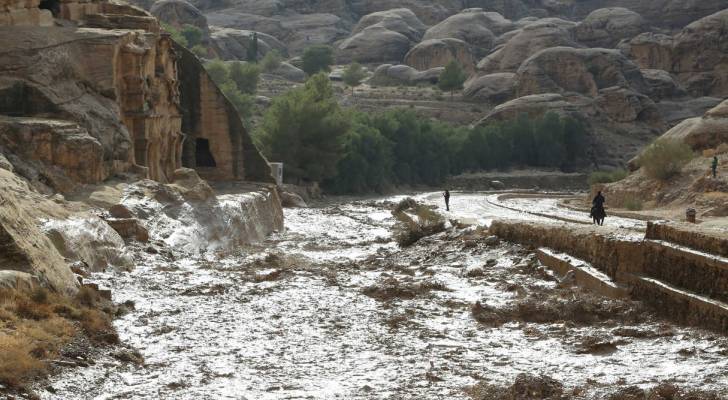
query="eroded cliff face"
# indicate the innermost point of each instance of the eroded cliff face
(109, 79)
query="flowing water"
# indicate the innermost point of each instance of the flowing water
(331, 308)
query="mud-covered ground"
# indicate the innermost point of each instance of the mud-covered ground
(331, 308)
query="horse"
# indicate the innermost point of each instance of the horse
(598, 214)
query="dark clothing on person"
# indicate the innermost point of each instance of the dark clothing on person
(714, 167)
(598, 201)
(447, 200)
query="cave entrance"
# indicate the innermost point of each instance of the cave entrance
(203, 156)
(53, 5)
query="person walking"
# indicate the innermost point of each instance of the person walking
(714, 167)
(446, 195)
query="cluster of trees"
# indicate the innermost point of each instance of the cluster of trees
(352, 152)
(188, 36)
(238, 80)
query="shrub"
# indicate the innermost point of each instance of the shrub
(245, 76)
(353, 75)
(17, 364)
(192, 34)
(597, 177)
(218, 71)
(665, 158)
(632, 203)
(176, 35)
(271, 61)
(200, 51)
(317, 58)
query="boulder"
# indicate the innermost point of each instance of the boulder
(526, 42)
(606, 27)
(191, 186)
(704, 132)
(662, 84)
(292, 200)
(697, 55)
(5, 164)
(537, 105)
(493, 88)
(650, 50)
(394, 75)
(25, 248)
(129, 229)
(400, 20)
(374, 44)
(289, 72)
(469, 26)
(675, 111)
(438, 53)
(16, 280)
(584, 71)
(58, 153)
(232, 44)
(625, 105)
(178, 13)
(120, 211)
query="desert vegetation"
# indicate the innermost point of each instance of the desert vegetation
(665, 158)
(36, 326)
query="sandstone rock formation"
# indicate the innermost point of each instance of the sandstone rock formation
(374, 44)
(100, 102)
(470, 26)
(526, 42)
(494, 88)
(23, 246)
(585, 71)
(662, 84)
(400, 20)
(704, 132)
(178, 13)
(605, 27)
(388, 74)
(384, 36)
(438, 53)
(232, 44)
(697, 56)
(289, 72)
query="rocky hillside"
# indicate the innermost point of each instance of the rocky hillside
(629, 69)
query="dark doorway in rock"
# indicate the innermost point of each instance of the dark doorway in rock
(53, 5)
(203, 156)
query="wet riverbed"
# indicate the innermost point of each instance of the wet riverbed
(331, 308)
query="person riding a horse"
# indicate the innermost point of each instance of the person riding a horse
(597, 211)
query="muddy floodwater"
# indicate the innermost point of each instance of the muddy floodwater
(333, 309)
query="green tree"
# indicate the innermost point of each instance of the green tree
(271, 61)
(452, 78)
(245, 76)
(218, 71)
(175, 34)
(192, 34)
(353, 75)
(252, 51)
(367, 162)
(242, 102)
(305, 129)
(317, 58)
(199, 50)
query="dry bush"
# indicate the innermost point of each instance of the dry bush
(665, 158)
(98, 327)
(16, 363)
(35, 326)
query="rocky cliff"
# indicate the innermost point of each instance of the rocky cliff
(90, 92)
